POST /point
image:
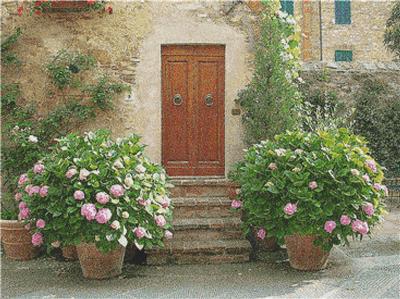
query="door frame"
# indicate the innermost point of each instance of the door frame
(196, 47)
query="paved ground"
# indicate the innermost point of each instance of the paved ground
(370, 269)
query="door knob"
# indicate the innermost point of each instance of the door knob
(209, 100)
(177, 100)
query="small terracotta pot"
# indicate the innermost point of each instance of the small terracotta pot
(304, 255)
(70, 253)
(97, 265)
(17, 241)
(268, 244)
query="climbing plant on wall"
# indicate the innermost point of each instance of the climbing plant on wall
(392, 32)
(270, 101)
(26, 137)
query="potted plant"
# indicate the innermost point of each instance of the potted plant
(98, 195)
(15, 236)
(311, 191)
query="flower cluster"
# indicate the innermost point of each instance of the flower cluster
(91, 189)
(38, 7)
(323, 183)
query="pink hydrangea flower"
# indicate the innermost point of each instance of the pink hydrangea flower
(115, 224)
(377, 186)
(28, 189)
(290, 209)
(44, 190)
(38, 168)
(70, 173)
(236, 204)
(18, 196)
(22, 205)
(160, 220)
(329, 226)
(359, 226)
(165, 202)
(366, 178)
(83, 174)
(145, 202)
(168, 235)
(261, 233)
(40, 223)
(89, 211)
(313, 185)
(23, 179)
(139, 232)
(23, 213)
(371, 165)
(117, 190)
(35, 190)
(27, 226)
(345, 220)
(355, 172)
(102, 198)
(385, 190)
(272, 166)
(368, 209)
(79, 195)
(103, 215)
(37, 239)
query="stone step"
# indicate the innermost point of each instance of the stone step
(204, 252)
(203, 229)
(202, 187)
(203, 207)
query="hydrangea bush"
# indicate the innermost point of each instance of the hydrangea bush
(92, 189)
(323, 183)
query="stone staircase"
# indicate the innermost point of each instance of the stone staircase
(206, 231)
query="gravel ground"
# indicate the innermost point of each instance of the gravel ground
(367, 269)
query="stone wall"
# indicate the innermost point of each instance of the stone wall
(364, 36)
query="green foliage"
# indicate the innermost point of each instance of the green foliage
(271, 99)
(322, 110)
(65, 64)
(377, 118)
(7, 57)
(92, 164)
(392, 32)
(275, 173)
(103, 91)
(9, 95)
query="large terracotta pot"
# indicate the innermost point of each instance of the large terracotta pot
(17, 241)
(304, 255)
(97, 265)
(69, 253)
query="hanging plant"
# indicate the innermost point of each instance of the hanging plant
(39, 7)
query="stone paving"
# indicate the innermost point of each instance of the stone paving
(370, 269)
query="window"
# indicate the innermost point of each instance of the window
(343, 55)
(342, 12)
(287, 6)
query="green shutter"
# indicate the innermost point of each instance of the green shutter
(342, 12)
(287, 6)
(343, 55)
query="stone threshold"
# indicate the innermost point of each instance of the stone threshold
(206, 223)
(205, 201)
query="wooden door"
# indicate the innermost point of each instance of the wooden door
(193, 129)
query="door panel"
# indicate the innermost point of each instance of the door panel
(193, 126)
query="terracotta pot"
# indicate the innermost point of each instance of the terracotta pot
(17, 241)
(304, 255)
(69, 253)
(96, 265)
(268, 244)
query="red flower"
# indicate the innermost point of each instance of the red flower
(20, 10)
(38, 12)
(38, 3)
(91, 2)
(109, 9)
